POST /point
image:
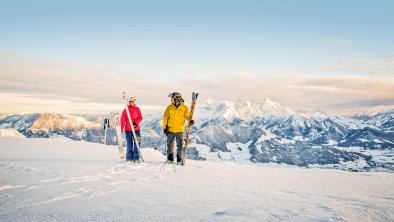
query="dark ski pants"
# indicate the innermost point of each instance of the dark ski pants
(132, 151)
(170, 145)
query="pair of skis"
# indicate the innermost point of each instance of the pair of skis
(189, 128)
(107, 125)
(116, 117)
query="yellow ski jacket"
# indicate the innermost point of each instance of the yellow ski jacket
(175, 118)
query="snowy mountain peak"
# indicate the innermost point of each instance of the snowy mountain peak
(49, 121)
(239, 109)
(246, 110)
(376, 110)
(210, 101)
(312, 114)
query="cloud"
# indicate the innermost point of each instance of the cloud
(361, 64)
(33, 84)
(336, 93)
(307, 93)
(77, 85)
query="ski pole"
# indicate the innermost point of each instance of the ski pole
(106, 126)
(157, 145)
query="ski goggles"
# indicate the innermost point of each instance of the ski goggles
(175, 95)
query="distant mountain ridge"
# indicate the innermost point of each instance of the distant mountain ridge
(246, 131)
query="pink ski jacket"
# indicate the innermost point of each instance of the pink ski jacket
(136, 117)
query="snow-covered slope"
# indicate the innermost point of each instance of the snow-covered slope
(58, 179)
(11, 133)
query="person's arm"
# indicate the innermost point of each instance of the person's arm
(139, 116)
(166, 116)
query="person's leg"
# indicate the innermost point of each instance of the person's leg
(179, 144)
(136, 155)
(129, 145)
(170, 146)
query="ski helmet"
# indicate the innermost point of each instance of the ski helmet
(131, 99)
(177, 98)
(175, 95)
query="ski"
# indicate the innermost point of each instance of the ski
(189, 128)
(119, 135)
(132, 126)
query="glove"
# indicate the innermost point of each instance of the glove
(165, 131)
(135, 125)
(191, 122)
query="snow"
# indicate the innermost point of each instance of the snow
(79, 133)
(286, 141)
(203, 150)
(376, 110)
(384, 157)
(267, 136)
(228, 130)
(225, 156)
(3, 116)
(331, 142)
(355, 165)
(50, 121)
(240, 151)
(259, 148)
(9, 132)
(298, 138)
(58, 179)
(238, 109)
(230, 111)
(22, 124)
(380, 155)
(377, 141)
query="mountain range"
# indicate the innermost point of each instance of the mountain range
(248, 132)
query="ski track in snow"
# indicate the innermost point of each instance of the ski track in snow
(120, 177)
(107, 181)
(107, 189)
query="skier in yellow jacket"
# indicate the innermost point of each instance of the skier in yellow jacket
(174, 125)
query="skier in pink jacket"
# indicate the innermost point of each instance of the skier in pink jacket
(136, 117)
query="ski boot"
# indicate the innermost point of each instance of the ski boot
(170, 158)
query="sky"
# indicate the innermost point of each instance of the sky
(78, 57)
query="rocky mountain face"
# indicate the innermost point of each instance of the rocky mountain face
(245, 131)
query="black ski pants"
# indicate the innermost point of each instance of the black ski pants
(170, 145)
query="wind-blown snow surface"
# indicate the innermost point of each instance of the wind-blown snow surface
(64, 180)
